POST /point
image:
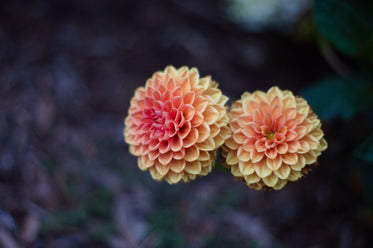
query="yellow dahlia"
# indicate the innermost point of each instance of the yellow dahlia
(176, 123)
(275, 136)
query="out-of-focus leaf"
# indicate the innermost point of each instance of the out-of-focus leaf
(365, 150)
(338, 97)
(348, 24)
(367, 183)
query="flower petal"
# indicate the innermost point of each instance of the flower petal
(177, 165)
(270, 180)
(290, 158)
(275, 163)
(283, 172)
(261, 169)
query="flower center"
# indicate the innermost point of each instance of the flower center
(270, 135)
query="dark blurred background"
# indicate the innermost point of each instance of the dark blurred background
(69, 68)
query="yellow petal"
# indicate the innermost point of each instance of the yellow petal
(232, 158)
(161, 169)
(236, 171)
(256, 156)
(290, 158)
(218, 140)
(274, 164)
(253, 178)
(173, 177)
(283, 172)
(280, 184)
(204, 155)
(243, 155)
(294, 175)
(193, 167)
(310, 157)
(231, 143)
(246, 168)
(300, 164)
(261, 169)
(270, 180)
(155, 174)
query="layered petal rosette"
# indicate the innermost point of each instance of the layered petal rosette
(275, 137)
(176, 123)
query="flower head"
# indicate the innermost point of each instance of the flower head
(275, 136)
(176, 123)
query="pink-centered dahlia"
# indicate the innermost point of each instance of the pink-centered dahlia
(275, 137)
(176, 123)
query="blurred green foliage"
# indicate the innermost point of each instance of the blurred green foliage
(165, 224)
(365, 150)
(335, 97)
(92, 214)
(348, 24)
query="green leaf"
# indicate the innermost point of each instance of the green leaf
(338, 97)
(365, 150)
(348, 24)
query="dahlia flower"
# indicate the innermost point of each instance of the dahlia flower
(275, 137)
(176, 123)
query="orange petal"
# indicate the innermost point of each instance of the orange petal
(200, 103)
(203, 132)
(244, 119)
(176, 143)
(207, 145)
(214, 129)
(178, 91)
(188, 111)
(177, 165)
(184, 130)
(177, 101)
(180, 154)
(191, 153)
(249, 131)
(191, 139)
(239, 137)
(271, 153)
(290, 113)
(210, 115)
(189, 97)
(293, 146)
(282, 148)
(197, 119)
(203, 156)
(276, 111)
(164, 146)
(165, 158)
